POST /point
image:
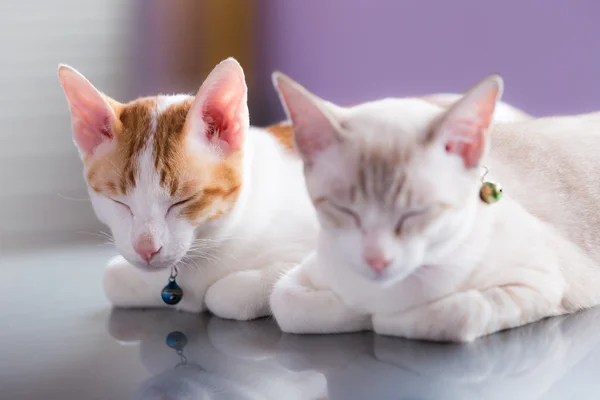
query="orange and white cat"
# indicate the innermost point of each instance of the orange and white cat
(185, 180)
(407, 247)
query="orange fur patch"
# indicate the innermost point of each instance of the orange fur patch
(210, 186)
(284, 133)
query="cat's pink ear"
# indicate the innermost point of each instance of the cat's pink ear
(92, 116)
(219, 113)
(315, 128)
(465, 126)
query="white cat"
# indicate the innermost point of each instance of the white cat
(408, 248)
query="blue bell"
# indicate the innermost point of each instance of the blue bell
(176, 340)
(172, 293)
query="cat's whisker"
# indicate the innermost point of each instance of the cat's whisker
(106, 244)
(211, 240)
(221, 239)
(207, 241)
(202, 250)
(204, 256)
(211, 258)
(183, 263)
(65, 197)
(89, 233)
(205, 244)
(194, 262)
(187, 261)
(101, 234)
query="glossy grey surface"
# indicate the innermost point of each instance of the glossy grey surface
(61, 340)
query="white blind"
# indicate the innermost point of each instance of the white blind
(39, 165)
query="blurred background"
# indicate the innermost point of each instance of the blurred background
(344, 50)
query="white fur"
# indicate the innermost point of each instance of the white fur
(476, 268)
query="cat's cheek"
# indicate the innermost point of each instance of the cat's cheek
(102, 208)
(107, 211)
(180, 236)
(346, 246)
(409, 255)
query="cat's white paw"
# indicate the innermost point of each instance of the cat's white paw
(459, 318)
(300, 309)
(241, 296)
(125, 286)
(189, 305)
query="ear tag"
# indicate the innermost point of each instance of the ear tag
(489, 192)
(172, 293)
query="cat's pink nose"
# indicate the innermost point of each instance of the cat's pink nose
(378, 264)
(146, 250)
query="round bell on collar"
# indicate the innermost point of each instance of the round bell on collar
(172, 293)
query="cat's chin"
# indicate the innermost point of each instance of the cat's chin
(152, 268)
(386, 278)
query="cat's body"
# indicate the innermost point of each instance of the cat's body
(456, 268)
(184, 180)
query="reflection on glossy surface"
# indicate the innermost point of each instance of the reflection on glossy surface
(528, 363)
(223, 359)
(57, 346)
(253, 360)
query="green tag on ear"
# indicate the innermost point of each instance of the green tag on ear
(490, 192)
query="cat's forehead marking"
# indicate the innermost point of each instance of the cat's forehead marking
(387, 135)
(150, 147)
(381, 172)
(137, 120)
(168, 144)
(148, 124)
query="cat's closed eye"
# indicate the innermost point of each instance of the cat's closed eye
(406, 216)
(123, 205)
(346, 211)
(179, 204)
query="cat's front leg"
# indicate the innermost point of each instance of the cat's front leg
(298, 307)
(129, 287)
(466, 316)
(243, 295)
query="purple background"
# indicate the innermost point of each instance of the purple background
(347, 51)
